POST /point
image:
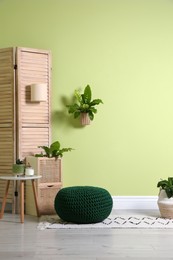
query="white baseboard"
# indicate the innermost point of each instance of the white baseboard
(124, 202)
(135, 202)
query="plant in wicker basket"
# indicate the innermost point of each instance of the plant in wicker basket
(84, 106)
(53, 151)
(165, 199)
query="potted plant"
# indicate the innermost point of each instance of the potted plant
(84, 106)
(29, 171)
(48, 165)
(165, 199)
(19, 167)
(53, 151)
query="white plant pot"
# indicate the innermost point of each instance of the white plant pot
(29, 171)
(165, 205)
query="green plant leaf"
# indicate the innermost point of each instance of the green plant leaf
(63, 150)
(170, 180)
(93, 109)
(162, 183)
(86, 97)
(169, 192)
(39, 155)
(78, 96)
(53, 151)
(167, 185)
(96, 102)
(77, 114)
(73, 108)
(91, 115)
(84, 108)
(54, 147)
(18, 161)
(46, 149)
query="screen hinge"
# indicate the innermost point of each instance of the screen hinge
(15, 66)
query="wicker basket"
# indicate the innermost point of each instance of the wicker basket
(48, 168)
(85, 120)
(47, 187)
(46, 195)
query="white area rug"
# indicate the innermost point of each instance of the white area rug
(113, 221)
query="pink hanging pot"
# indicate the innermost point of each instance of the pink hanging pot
(85, 120)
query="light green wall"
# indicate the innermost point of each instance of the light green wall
(124, 50)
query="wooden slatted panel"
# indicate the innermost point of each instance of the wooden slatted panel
(7, 118)
(6, 86)
(31, 138)
(6, 150)
(33, 67)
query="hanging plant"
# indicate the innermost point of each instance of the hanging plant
(84, 105)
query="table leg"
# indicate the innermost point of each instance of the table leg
(35, 197)
(15, 197)
(22, 201)
(4, 199)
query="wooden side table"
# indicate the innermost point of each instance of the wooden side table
(21, 179)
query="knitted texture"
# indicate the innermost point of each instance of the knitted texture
(83, 204)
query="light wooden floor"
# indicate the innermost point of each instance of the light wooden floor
(24, 241)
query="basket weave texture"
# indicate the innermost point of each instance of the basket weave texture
(50, 170)
(166, 211)
(83, 204)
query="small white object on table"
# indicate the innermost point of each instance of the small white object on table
(22, 179)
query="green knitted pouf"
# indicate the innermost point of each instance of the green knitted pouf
(83, 204)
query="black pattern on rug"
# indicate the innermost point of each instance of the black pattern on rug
(141, 221)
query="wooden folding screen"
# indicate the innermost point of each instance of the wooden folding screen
(24, 125)
(7, 114)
